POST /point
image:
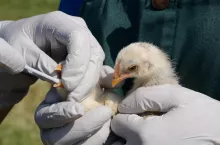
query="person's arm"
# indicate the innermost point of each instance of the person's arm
(11, 61)
(4, 112)
(71, 7)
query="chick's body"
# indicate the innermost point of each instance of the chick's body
(97, 97)
(144, 62)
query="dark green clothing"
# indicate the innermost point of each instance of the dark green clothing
(188, 30)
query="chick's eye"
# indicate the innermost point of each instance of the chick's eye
(132, 68)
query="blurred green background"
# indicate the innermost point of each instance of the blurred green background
(19, 127)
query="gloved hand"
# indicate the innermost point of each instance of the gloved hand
(43, 41)
(64, 123)
(191, 118)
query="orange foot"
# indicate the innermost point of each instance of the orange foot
(59, 70)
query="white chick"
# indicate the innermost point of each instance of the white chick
(147, 64)
(144, 62)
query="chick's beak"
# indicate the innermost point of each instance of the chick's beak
(117, 78)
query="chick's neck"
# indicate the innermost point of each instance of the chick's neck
(156, 78)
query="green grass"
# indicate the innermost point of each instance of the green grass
(17, 9)
(19, 127)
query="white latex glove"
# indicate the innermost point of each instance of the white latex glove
(10, 59)
(192, 118)
(43, 41)
(64, 123)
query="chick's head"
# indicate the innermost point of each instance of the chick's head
(141, 61)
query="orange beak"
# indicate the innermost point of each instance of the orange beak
(117, 78)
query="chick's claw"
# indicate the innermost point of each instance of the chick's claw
(58, 85)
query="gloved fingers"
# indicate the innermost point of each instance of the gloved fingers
(10, 59)
(5, 23)
(56, 115)
(99, 137)
(78, 130)
(77, 61)
(128, 127)
(71, 33)
(35, 57)
(52, 113)
(118, 143)
(81, 68)
(106, 76)
(53, 96)
(88, 82)
(155, 98)
(92, 73)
